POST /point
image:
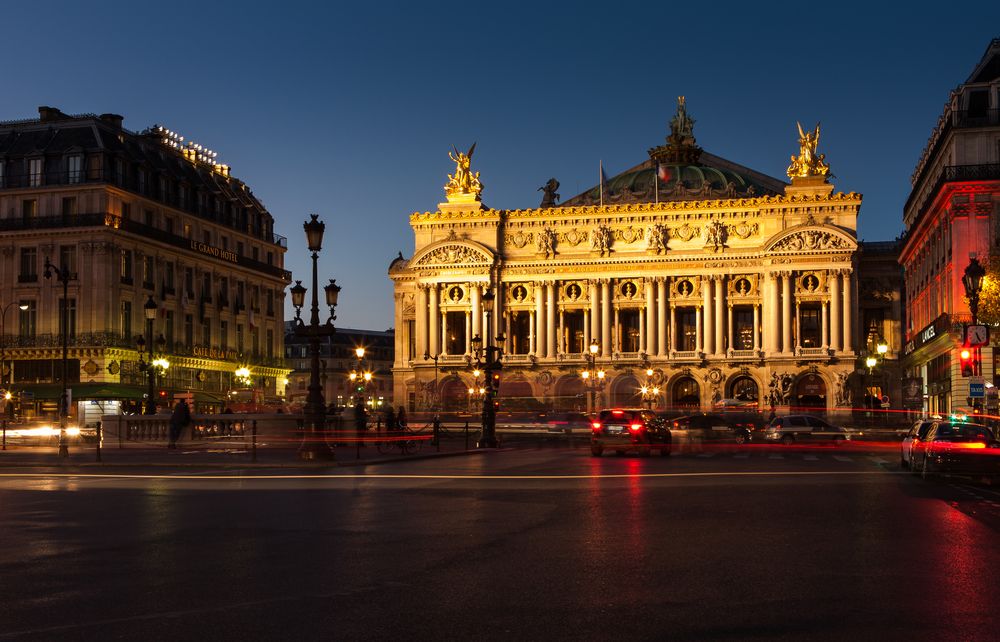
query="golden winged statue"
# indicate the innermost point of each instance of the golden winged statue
(463, 182)
(808, 162)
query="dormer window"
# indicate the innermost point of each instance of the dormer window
(34, 172)
(74, 169)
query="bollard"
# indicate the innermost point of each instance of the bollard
(253, 443)
(466, 435)
(437, 433)
(99, 437)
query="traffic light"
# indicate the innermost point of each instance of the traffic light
(968, 365)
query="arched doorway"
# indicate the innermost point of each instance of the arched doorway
(516, 394)
(570, 394)
(686, 393)
(454, 395)
(625, 392)
(744, 388)
(810, 392)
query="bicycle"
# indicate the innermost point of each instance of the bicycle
(403, 439)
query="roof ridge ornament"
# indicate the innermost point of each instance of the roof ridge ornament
(463, 186)
(808, 163)
(681, 146)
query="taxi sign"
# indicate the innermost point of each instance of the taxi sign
(977, 389)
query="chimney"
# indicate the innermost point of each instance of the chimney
(46, 114)
(112, 119)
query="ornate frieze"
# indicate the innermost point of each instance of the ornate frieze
(453, 254)
(811, 240)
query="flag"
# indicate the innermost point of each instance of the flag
(663, 172)
(604, 179)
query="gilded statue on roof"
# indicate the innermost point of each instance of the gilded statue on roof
(808, 162)
(464, 182)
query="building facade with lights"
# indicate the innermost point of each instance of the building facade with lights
(728, 284)
(339, 360)
(138, 219)
(952, 215)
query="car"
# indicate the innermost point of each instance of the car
(956, 447)
(914, 436)
(624, 429)
(715, 427)
(792, 429)
(567, 422)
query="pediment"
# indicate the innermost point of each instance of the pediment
(811, 239)
(452, 253)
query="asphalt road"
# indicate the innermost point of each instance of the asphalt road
(531, 543)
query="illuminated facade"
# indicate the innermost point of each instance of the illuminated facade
(952, 213)
(135, 218)
(726, 283)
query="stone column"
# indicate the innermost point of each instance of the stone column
(835, 313)
(435, 320)
(798, 328)
(729, 327)
(442, 325)
(595, 315)
(539, 324)
(698, 330)
(848, 312)
(650, 345)
(786, 312)
(550, 320)
(420, 312)
(707, 321)
(562, 345)
(824, 325)
(586, 330)
(673, 328)
(531, 332)
(605, 318)
(477, 311)
(719, 283)
(756, 326)
(617, 338)
(468, 332)
(643, 316)
(661, 317)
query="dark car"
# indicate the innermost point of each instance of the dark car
(624, 429)
(804, 429)
(715, 427)
(567, 422)
(956, 448)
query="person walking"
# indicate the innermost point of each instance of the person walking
(390, 420)
(179, 420)
(360, 419)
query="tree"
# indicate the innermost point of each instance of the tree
(989, 294)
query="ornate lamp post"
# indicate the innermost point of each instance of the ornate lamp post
(593, 378)
(360, 377)
(4, 379)
(488, 359)
(314, 445)
(149, 309)
(881, 348)
(650, 393)
(434, 394)
(972, 279)
(62, 275)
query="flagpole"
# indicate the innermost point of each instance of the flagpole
(600, 179)
(656, 182)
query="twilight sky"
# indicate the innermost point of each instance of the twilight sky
(349, 111)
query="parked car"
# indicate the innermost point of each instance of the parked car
(804, 429)
(957, 448)
(714, 427)
(914, 436)
(567, 422)
(624, 429)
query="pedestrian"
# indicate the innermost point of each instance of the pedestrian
(401, 418)
(390, 419)
(360, 417)
(179, 420)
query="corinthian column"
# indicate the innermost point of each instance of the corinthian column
(605, 318)
(848, 311)
(550, 320)
(786, 312)
(650, 346)
(661, 317)
(477, 312)
(707, 321)
(595, 317)
(421, 321)
(435, 319)
(539, 320)
(719, 282)
(836, 322)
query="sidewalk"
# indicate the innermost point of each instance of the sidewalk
(219, 454)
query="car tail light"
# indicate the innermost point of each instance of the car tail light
(635, 427)
(971, 444)
(595, 426)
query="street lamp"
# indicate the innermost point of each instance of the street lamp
(314, 444)
(62, 275)
(881, 349)
(650, 392)
(972, 279)
(360, 376)
(593, 378)
(487, 357)
(149, 309)
(434, 393)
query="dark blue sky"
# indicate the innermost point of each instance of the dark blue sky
(349, 111)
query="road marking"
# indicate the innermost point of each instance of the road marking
(878, 460)
(245, 478)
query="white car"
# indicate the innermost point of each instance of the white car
(915, 435)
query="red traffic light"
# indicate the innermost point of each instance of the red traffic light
(968, 368)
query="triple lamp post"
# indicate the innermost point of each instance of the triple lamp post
(881, 348)
(360, 377)
(314, 445)
(593, 378)
(487, 358)
(650, 393)
(151, 366)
